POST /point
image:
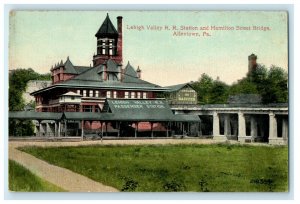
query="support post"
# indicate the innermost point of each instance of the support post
(273, 137)
(272, 126)
(216, 125)
(66, 128)
(59, 128)
(40, 128)
(216, 128)
(285, 127)
(167, 129)
(151, 129)
(55, 128)
(242, 127)
(82, 129)
(102, 129)
(105, 128)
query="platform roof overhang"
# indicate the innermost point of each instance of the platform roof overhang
(134, 110)
(31, 115)
(139, 109)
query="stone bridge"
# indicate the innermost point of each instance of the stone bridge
(259, 123)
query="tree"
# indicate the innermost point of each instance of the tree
(271, 84)
(17, 85)
(275, 89)
(219, 92)
(210, 91)
(243, 86)
(203, 88)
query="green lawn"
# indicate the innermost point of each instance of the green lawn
(21, 179)
(158, 168)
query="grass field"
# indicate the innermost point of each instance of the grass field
(160, 168)
(21, 179)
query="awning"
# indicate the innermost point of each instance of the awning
(138, 110)
(34, 115)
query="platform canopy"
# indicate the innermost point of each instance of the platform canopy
(138, 110)
(31, 115)
(134, 110)
(95, 116)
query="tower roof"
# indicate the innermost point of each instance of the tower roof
(107, 29)
(69, 68)
(129, 70)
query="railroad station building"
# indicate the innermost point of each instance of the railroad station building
(110, 98)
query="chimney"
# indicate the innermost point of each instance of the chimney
(119, 24)
(120, 41)
(252, 62)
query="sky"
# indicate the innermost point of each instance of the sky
(39, 39)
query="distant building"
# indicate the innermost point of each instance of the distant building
(34, 85)
(181, 94)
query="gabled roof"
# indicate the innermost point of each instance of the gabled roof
(140, 109)
(71, 93)
(81, 69)
(112, 66)
(69, 68)
(107, 29)
(129, 70)
(177, 87)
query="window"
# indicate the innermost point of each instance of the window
(103, 47)
(111, 47)
(144, 95)
(138, 94)
(126, 94)
(97, 94)
(72, 97)
(115, 94)
(87, 108)
(91, 93)
(84, 93)
(78, 91)
(108, 94)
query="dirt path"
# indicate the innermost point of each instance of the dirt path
(58, 176)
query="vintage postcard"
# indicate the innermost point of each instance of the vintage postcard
(148, 101)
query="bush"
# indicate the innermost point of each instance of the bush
(130, 185)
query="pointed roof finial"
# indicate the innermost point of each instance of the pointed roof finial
(61, 63)
(107, 29)
(138, 69)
